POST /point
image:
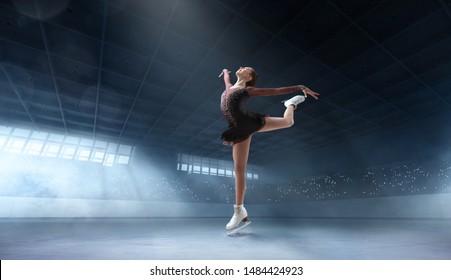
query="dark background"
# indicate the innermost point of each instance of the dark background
(145, 73)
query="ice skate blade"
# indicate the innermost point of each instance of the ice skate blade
(235, 231)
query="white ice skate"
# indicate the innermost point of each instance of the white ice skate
(238, 221)
(295, 100)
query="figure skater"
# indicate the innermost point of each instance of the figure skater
(243, 124)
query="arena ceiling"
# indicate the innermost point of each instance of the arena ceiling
(146, 72)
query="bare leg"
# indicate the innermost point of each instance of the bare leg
(241, 151)
(240, 156)
(273, 123)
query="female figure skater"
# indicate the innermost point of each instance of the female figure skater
(242, 124)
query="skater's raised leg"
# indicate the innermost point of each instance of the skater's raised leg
(274, 123)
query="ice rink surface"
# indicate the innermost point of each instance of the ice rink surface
(205, 238)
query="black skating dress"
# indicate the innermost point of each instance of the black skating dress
(243, 123)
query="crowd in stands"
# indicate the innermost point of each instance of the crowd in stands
(92, 181)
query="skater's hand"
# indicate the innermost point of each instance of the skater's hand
(310, 92)
(222, 73)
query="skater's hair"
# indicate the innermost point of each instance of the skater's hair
(254, 80)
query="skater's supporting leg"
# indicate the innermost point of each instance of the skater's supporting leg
(240, 156)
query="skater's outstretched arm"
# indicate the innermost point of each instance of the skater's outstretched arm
(253, 91)
(226, 74)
